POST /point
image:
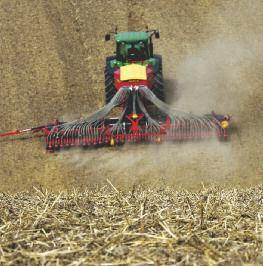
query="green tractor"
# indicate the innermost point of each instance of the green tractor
(134, 63)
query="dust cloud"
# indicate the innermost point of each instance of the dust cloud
(167, 163)
(213, 78)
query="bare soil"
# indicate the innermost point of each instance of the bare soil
(52, 58)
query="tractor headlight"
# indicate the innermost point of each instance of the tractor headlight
(224, 124)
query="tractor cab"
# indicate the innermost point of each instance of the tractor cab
(137, 51)
(133, 46)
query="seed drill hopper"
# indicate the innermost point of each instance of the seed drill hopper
(134, 86)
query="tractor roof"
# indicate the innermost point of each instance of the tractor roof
(131, 36)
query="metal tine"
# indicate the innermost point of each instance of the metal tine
(148, 94)
(151, 121)
(153, 126)
(71, 129)
(183, 124)
(118, 125)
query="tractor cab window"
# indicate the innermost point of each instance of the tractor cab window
(132, 51)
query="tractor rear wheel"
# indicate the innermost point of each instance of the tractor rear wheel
(158, 87)
(110, 89)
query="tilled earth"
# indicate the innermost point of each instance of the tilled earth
(52, 59)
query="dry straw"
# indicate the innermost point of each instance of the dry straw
(106, 226)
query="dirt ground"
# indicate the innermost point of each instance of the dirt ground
(51, 65)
